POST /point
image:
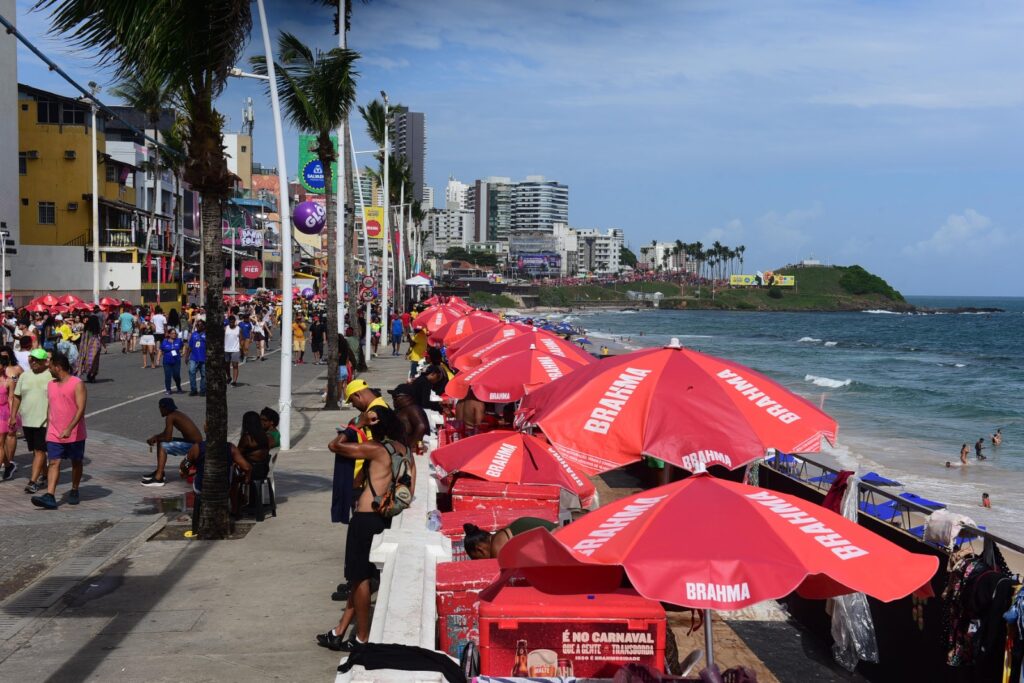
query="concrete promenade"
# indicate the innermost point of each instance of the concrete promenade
(176, 610)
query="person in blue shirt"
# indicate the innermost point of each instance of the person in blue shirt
(172, 347)
(397, 330)
(195, 354)
(126, 322)
(245, 325)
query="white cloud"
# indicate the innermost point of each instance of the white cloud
(969, 231)
(789, 229)
(731, 233)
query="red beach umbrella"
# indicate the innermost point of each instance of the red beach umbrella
(509, 378)
(36, 308)
(126, 302)
(709, 543)
(110, 301)
(513, 458)
(59, 308)
(460, 304)
(69, 300)
(433, 318)
(431, 301)
(46, 300)
(544, 341)
(485, 336)
(681, 406)
(464, 326)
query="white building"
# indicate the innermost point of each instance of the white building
(597, 253)
(450, 227)
(537, 204)
(567, 245)
(455, 193)
(9, 208)
(663, 256)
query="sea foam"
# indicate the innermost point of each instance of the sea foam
(808, 340)
(881, 312)
(831, 343)
(827, 381)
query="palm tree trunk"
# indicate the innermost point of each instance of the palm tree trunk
(214, 519)
(327, 156)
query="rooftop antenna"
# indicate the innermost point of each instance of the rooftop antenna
(248, 117)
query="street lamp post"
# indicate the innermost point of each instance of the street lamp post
(3, 265)
(366, 235)
(94, 89)
(385, 328)
(285, 396)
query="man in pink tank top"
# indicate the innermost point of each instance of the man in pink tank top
(65, 434)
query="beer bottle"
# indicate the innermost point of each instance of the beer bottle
(520, 666)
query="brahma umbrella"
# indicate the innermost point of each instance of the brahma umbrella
(509, 378)
(486, 336)
(681, 406)
(463, 326)
(708, 543)
(538, 338)
(513, 458)
(110, 301)
(435, 317)
(46, 300)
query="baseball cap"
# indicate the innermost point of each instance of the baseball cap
(354, 386)
(38, 354)
(404, 389)
(168, 404)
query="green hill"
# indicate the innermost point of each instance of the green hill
(818, 288)
(568, 296)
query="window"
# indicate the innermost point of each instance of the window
(47, 112)
(73, 115)
(22, 163)
(111, 173)
(243, 149)
(47, 213)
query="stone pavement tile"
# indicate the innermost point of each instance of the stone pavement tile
(26, 551)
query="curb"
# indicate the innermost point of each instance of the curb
(22, 615)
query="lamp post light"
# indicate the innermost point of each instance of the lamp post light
(385, 328)
(94, 89)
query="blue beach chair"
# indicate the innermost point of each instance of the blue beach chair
(914, 498)
(878, 480)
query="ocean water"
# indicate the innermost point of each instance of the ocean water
(907, 390)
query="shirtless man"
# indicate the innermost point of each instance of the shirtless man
(997, 438)
(471, 411)
(411, 415)
(978, 448)
(166, 443)
(365, 523)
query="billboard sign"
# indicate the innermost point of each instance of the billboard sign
(252, 269)
(374, 217)
(765, 279)
(539, 263)
(311, 171)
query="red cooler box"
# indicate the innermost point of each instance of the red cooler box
(458, 588)
(569, 635)
(488, 520)
(473, 494)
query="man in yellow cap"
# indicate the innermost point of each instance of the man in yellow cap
(362, 397)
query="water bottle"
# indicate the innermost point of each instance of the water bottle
(434, 520)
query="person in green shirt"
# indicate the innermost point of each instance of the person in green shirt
(32, 403)
(270, 419)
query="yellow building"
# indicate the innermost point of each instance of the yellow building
(55, 194)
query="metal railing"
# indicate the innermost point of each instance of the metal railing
(816, 475)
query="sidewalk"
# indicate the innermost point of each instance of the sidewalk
(247, 608)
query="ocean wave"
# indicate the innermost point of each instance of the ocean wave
(831, 343)
(827, 381)
(808, 340)
(881, 312)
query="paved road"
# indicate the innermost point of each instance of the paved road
(121, 414)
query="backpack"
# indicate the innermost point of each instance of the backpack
(398, 495)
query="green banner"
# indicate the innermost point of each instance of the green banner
(311, 171)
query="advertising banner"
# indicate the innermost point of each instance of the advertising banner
(311, 171)
(539, 262)
(374, 217)
(765, 279)
(251, 238)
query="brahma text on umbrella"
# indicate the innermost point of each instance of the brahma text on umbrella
(760, 399)
(824, 535)
(719, 592)
(550, 367)
(607, 529)
(692, 461)
(614, 400)
(500, 460)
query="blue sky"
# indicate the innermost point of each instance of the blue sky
(881, 133)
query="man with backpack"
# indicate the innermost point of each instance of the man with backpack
(389, 477)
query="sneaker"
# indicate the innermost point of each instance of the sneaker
(234, 384)
(74, 497)
(33, 487)
(9, 470)
(337, 643)
(154, 482)
(149, 477)
(193, 393)
(180, 390)
(45, 501)
(168, 392)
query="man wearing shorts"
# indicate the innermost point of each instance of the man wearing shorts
(299, 339)
(232, 350)
(126, 323)
(30, 400)
(65, 431)
(189, 445)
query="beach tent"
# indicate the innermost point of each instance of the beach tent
(418, 281)
(713, 544)
(684, 407)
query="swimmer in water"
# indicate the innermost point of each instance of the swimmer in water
(997, 438)
(978, 448)
(985, 501)
(963, 453)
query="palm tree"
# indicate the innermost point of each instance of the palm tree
(698, 256)
(191, 46)
(150, 95)
(740, 250)
(317, 90)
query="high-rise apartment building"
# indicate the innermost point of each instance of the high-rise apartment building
(410, 139)
(492, 209)
(455, 193)
(537, 204)
(599, 254)
(427, 202)
(9, 209)
(449, 227)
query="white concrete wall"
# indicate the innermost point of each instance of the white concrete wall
(9, 179)
(64, 269)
